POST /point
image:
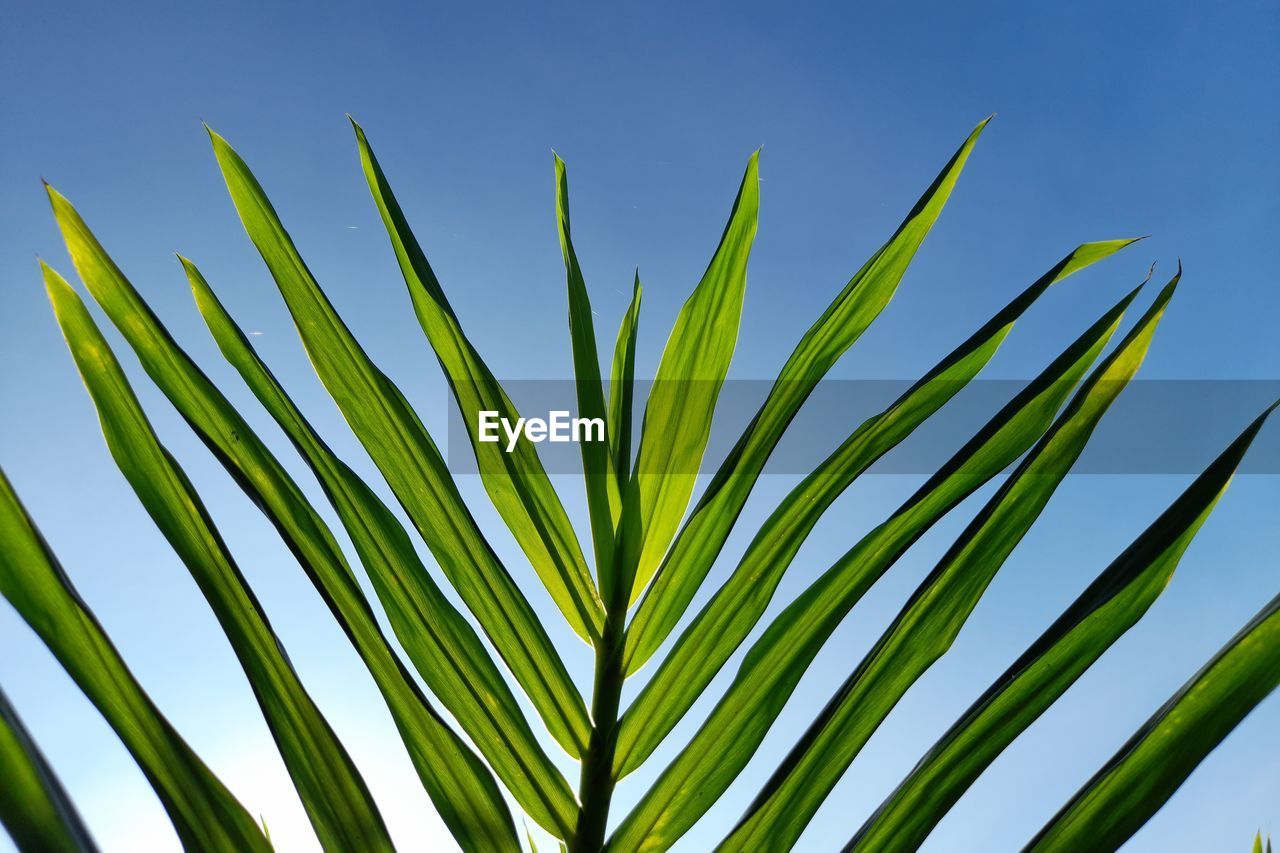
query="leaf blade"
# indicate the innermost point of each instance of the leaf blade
(334, 795)
(404, 452)
(442, 645)
(725, 621)
(34, 807)
(1163, 752)
(604, 497)
(937, 610)
(854, 309)
(678, 413)
(622, 379)
(774, 664)
(516, 481)
(1112, 604)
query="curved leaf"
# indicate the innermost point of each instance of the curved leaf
(204, 813)
(34, 807)
(430, 743)
(728, 618)
(682, 401)
(442, 645)
(604, 496)
(516, 481)
(1141, 777)
(775, 663)
(404, 452)
(933, 617)
(853, 310)
(1112, 604)
(336, 799)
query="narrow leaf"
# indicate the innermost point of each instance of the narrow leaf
(933, 617)
(515, 481)
(604, 497)
(34, 807)
(204, 813)
(682, 401)
(775, 663)
(727, 619)
(1141, 777)
(442, 645)
(404, 452)
(430, 743)
(336, 799)
(622, 381)
(853, 310)
(1112, 604)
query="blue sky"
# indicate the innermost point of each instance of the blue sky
(1112, 121)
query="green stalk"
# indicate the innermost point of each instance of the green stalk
(595, 791)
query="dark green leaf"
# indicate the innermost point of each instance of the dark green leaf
(34, 807)
(1141, 777)
(857, 305)
(727, 619)
(933, 617)
(335, 797)
(775, 663)
(1112, 604)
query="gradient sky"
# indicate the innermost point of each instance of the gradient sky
(1114, 120)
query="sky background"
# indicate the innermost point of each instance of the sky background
(1114, 120)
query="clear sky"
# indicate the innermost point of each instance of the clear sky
(1114, 120)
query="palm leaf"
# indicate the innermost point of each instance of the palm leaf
(727, 619)
(515, 481)
(332, 791)
(431, 745)
(1112, 604)
(678, 413)
(774, 664)
(933, 617)
(402, 449)
(622, 386)
(853, 310)
(1141, 777)
(442, 645)
(204, 813)
(604, 495)
(34, 807)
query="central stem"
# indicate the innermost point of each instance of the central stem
(596, 787)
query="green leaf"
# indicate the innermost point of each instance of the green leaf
(604, 499)
(203, 811)
(1141, 777)
(442, 645)
(622, 386)
(682, 400)
(515, 481)
(775, 663)
(335, 797)
(34, 807)
(727, 619)
(404, 452)
(430, 743)
(929, 623)
(853, 310)
(1112, 604)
